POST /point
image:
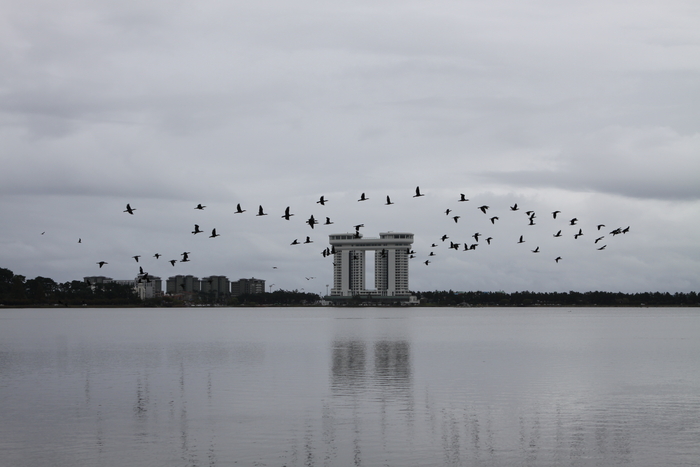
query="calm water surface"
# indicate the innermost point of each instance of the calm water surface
(342, 387)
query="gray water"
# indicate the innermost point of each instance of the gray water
(342, 387)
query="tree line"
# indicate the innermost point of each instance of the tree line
(590, 299)
(16, 290)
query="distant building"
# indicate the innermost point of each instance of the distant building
(247, 286)
(150, 288)
(92, 280)
(391, 254)
(218, 285)
(179, 284)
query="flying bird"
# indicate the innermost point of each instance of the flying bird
(580, 232)
(322, 201)
(173, 261)
(476, 236)
(536, 250)
(483, 208)
(488, 240)
(214, 234)
(602, 247)
(136, 258)
(554, 214)
(128, 209)
(456, 218)
(80, 240)
(102, 263)
(600, 226)
(312, 221)
(260, 211)
(196, 229)
(514, 207)
(363, 197)
(287, 214)
(200, 207)
(418, 193)
(558, 234)
(521, 240)
(157, 255)
(328, 221)
(238, 209)
(427, 262)
(599, 239)
(448, 211)
(308, 240)
(557, 259)
(573, 221)
(462, 197)
(444, 237)
(494, 219)
(295, 242)
(388, 201)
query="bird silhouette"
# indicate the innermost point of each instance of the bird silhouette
(102, 263)
(328, 221)
(444, 237)
(388, 201)
(238, 209)
(157, 255)
(295, 242)
(214, 234)
(312, 221)
(580, 232)
(483, 208)
(322, 201)
(462, 197)
(602, 247)
(128, 209)
(488, 240)
(260, 211)
(456, 218)
(363, 197)
(600, 226)
(287, 215)
(521, 240)
(573, 221)
(80, 240)
(536, 250)
(173, 261)
(308, 240)
(514, 207)
(196, 229)
(141, 270)
(558, 234)
(200, 207)
(599, 239)
(418, 193)
(427, 262)
(494, 219)
(476, 236)
(557, 259)
(448, 211)
(136, 258)
(554, 214)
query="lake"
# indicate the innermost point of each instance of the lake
(350, 386)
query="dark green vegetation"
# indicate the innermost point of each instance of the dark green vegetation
(17, 291)
(451, 298)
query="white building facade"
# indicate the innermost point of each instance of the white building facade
(391, 254)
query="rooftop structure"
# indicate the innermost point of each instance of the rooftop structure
(391, 253)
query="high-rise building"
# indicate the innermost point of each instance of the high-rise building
(247, 286)
(218, 285)
(391, 254)
(179, 284)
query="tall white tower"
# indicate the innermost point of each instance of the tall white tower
(391, 253)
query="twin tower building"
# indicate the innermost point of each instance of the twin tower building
(392, 251)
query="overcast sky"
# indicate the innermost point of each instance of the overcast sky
(589, 108)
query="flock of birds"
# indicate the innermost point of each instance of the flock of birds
(572, 223)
